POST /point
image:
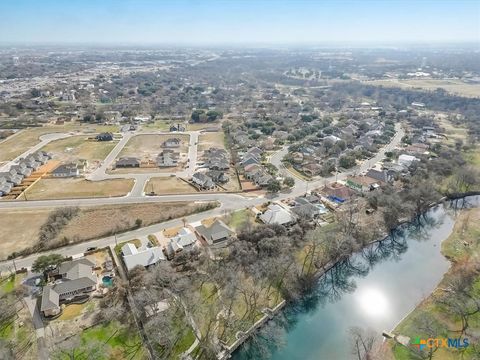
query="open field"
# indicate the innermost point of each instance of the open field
(149, 146)
(11, 221)
(463, 249)
(453, 132)
(18, 144)
(79, 147)
(202, 126)
(211, 139)
(454, 86)
(78, 188)
(90, 223)
(163, 125)
(168, 185)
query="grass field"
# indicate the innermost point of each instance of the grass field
(11, 221)
(211, 139)
(202, 126)
(79, 147)
(456, 87)
(91, 223)
(149, 146)
(120, 342)
(18, 144)
(168, 185)
(78, 188)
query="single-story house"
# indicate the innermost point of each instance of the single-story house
(66, 170)
(74, 279)
(277, 214)
(215, 233)
(185, 238)
(177, 127)
(217, 176)
(172, 143)
(106, 136)
(202, 180)
(362, 183)
(144, 256)
(127, 162)
(383, 177)
(12, 177)
(406, 160)
(167, 158)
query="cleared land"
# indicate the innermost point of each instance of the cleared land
(456, 87)
(79, 147)
(18, 144)
(46, 189)
(168, 185)
(90, 223)
(149, 146)
(211, 139)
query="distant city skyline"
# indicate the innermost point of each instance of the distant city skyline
(214, 22)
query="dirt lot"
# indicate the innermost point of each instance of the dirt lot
(168, 185)
(149, 146)
(78, 188)
(211, 139)
(79, 147)
(456, 87)
(18, 144)
(92, 222)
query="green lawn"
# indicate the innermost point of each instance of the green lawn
(121, 342)
(239, 218)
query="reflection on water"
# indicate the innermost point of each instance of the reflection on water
(373, 289)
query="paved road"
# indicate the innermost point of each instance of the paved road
(44, 140)
(229, 202)
(141, 179)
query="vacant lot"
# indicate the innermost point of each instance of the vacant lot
(168, 185)
(79, 147)
(456, 87)
(19, 229)
(90, 223)
(18, 144)
(211, 139)
(78, 188)
(149, 146)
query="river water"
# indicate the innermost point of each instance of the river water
(375, 290)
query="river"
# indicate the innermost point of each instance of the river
(374, 289)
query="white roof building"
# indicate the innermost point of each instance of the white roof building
(185, 237)
(406, 160)
(144, 256)
(276, 214)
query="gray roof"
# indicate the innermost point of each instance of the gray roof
(67, 266)
(50, 298)
(217, 231)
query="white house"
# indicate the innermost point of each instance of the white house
(143, 256)
(406, 160)
(276, 214)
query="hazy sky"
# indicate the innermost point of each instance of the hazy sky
(238, 21)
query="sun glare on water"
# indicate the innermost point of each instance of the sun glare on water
(373, 302)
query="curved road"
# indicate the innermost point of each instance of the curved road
(229, 202)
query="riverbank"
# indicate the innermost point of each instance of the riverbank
(443, 314)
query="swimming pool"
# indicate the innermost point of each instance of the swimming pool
(107, 281)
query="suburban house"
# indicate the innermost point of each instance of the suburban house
(172, 143)
(66, 170)
(167, 158)
(216, 159)
(338, 191)
(5, 186)
(12, 177)
(277, 214)
(22, 169)
(382, 176)
(203, 181)
(308, 207)
(184, 239)
(406, 160)
(362, 183)
(217, 176)
(178, 127)
(217, 232)
(73, 280)
(127, 162)
(106, 136)
(143, 256)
